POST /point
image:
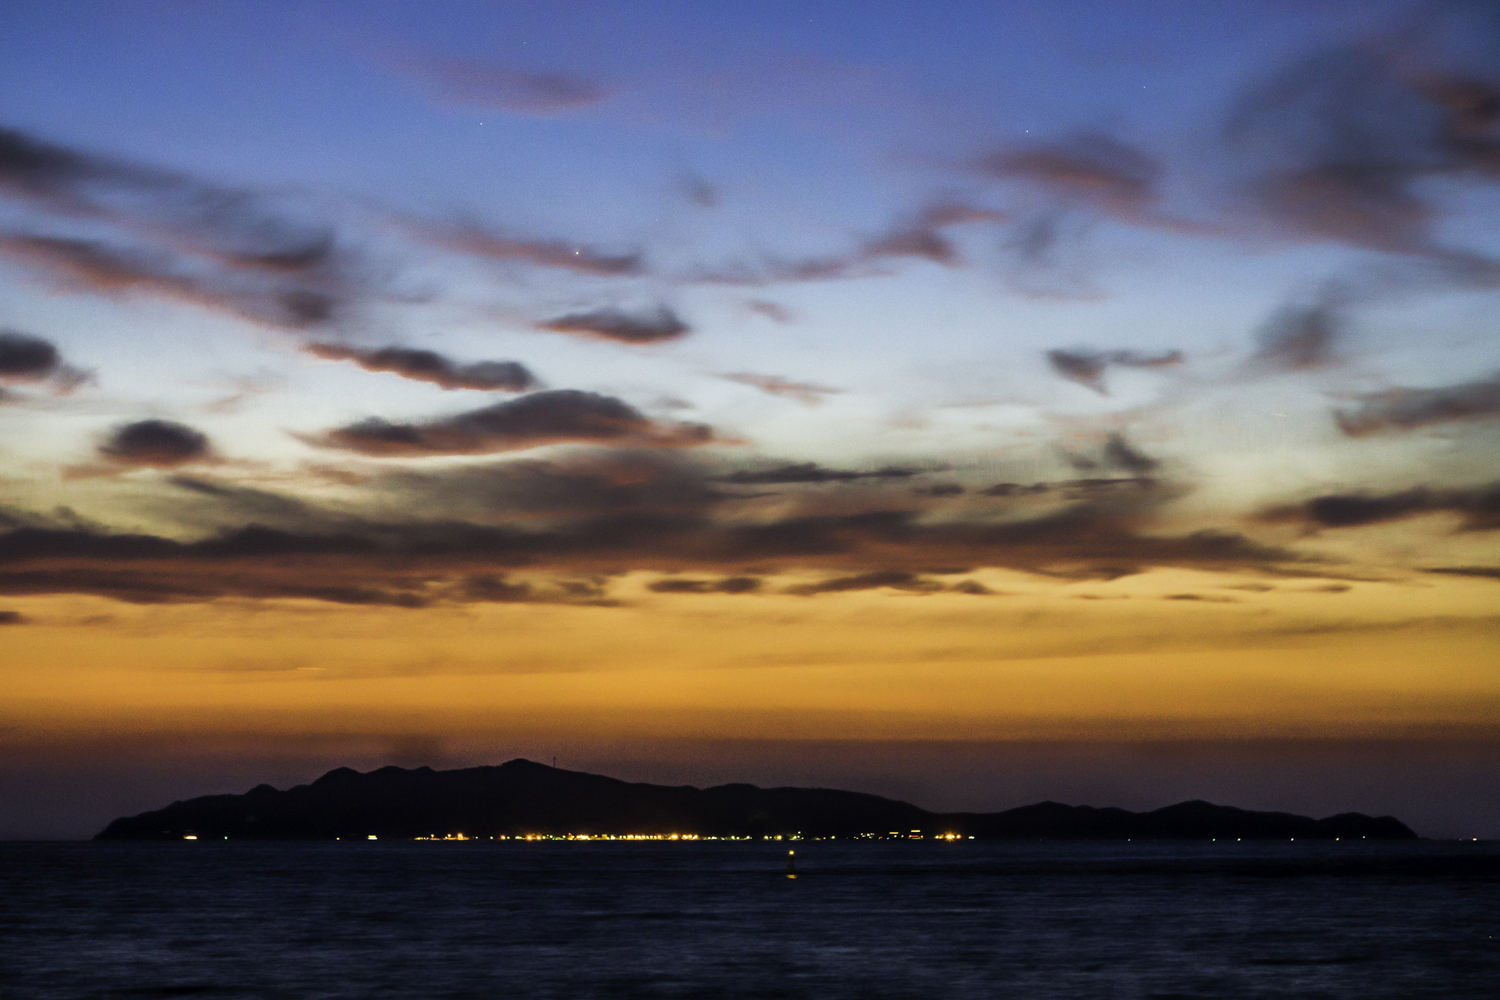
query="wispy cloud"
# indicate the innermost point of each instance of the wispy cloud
(1478, 507)
(919, 236)
(500, 88)
(1335, 147)
(1300, 338)
(1091, 168)
(1087, 366)
(1402, 409)
(807, 393)
(475, 240)
(811, 472)
(96, 266)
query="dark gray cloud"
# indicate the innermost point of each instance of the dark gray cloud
(1484, 572)
(24, 358)
(1402, 409)
(1299, 338)
(161, 444)
(588, 484)
(12, 618)
(1015, 489)
(649, 327)
(723, 585)
(807, 393)
(412, 563)
(1119, 454)
(811, 472)
(474, 240)
(553, 417)
(430, 366)
(1077, 490)
(940, 490)
(462, 81)
(1478, 507)
(1087, 366)
(29, 360)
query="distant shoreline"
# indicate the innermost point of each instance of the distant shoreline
(521, 799)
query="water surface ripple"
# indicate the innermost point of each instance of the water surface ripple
(1125, 921)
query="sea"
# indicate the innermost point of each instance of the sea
(914, 919)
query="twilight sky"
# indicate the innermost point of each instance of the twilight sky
(975, 403)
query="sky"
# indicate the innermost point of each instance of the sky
(971, 403)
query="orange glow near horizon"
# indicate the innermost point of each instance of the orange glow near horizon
(1377, 660)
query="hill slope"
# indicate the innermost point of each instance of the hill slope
(522, 797)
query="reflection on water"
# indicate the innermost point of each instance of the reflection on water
(439, 920)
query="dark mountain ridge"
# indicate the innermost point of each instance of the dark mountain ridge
(521, 797)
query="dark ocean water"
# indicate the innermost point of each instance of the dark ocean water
(570, 920)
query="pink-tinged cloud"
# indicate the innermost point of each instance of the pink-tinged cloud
(807, 393)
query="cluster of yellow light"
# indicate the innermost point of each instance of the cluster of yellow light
(913, 835)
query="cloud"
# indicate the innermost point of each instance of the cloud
(1299, 338)
(1479, 508)
(1086, 366)
(1075, 489)
(1090, 168)
(1337, 144)
(553, 417)
(806, 393)
(940, 490)
(544, 95)
(232, 229)
(893, 579)
(429, 366)
(811, 472)
(160, 444)
(1015, 489)
(24, 358)
(100, 267)
(724, 585)
(699, 192)
(29, 360)
(1404, 409)
(607, 483)
(415, 563)
(773, 311)
(1119, 454)
(11, 618)
(1484, 572)
(474, 240)
(921, 236)
(650, 327)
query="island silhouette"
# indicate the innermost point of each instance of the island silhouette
(522, 798)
